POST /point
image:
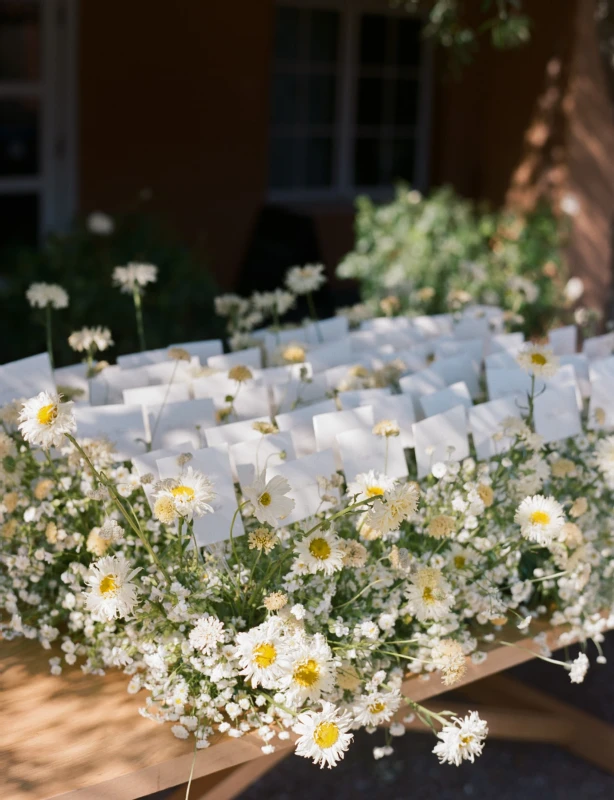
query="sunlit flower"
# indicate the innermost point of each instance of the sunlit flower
(269, 500)
(262, 539)
(429, 595)
(579, 668)
(86, 339)
(605, 457)
(45, 420)
(41, 295)
(188, 495)
(323, 735)
(376, 708)
(461, 740)
(308, 670)
(240, 374)
(207, 633)
(259, 653)
(442, 526)
(395, 507)
(111, 593)
(134, 276)
(538, 360)
(386, 427)
(303, 280)
(321, 551)
(448, 657)
(541, 519)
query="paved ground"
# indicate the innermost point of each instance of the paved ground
(506, 771)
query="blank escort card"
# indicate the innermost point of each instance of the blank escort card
(108, 386)
(564, 341)
(459, 368)
(506, 343)
(300, 425)
(177, 423)
(249, 459)
(147, 463)
(132, 360)
(359, 447)
(580, 363)
(426, 381)
(400, 408)
(250, 357)
(330, 355)
(326, 330)
(444, 400)
(154, 395)
(25, 378)
(295, 393)
(485, 423)
(599, 346)
(122, 425)
(601, 406)
(302, 475)
(202, 350)
(327, 426)
(251, 397)
(434, 325)
(556, 415)
(234, 432)
(472, 348)
(74, 377)
(215, 464)
(361, 397)
(441, 438)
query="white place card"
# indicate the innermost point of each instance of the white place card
(170, 371)
(477, 327)
(202, 350)
(107, 388)
(434, 325)
(565, 378)
(249, 459)
(273, 376)
(581, 365)
(556, 415)
(601, 405)
(234, 432)
(510, 383)
(347, 376)
(599, 346)
(25, 378)
(398, 407)
(485, 424)
(296, 393)
(426, 381)
(502, 359)
(122, 425)
(327, 426)
(361, 397)
(329, 355)
(450, 348)
(387, 324)
(147, 463)
(274, 341)
(506, 343)
(412, 358)
(132, 360)
(302, 475)
(176, 423)
(300, 425)
(326, 330)
(74, 377)
(441, 438)
(359, 447)
(459, 368)
(564, 341)
(250, 357)
(156, 395)
(251, 397)
(215, 464)
(601, 368)
(445, 399)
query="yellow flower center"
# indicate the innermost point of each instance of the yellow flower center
(264, 654)
(294, 354)
(307, 673)
(459, 561)
(374, 491)
(265, 499)
(47, 414)
(466, 740)
(377, 708)
(538, 358)
(428, 595)
(319, 548)
(540, 518)
(108, 584)
(326, 735)
(183, 492)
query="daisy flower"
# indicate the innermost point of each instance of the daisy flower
(429, 595)
(111, 592)
(369, 484)
(461, 740)
(375, 708)
(307, 279)
(395, 507)
(269, 499)
(133, 277)
(541, 519)
(188, 495)
(449, 659)
(258, 652)
(604, 457)
(321, 551)
(88, 338)
(277, 302)
(207, 633)
(44, 420)
(309, 670)
(538, 360)
(323, 735)
(41, 295)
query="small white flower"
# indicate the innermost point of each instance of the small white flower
(375, 708)
(134, 277)
(207, 634)
(44, 420)
(111, 531)
(323, 736)
(321, 551)
(429, 594)
(541, 519)
(258, 651)
(111, 592)
(269, 499)
(307, 279)
(188, 495)
(395, 507)
(369, 484)
(308, 670)
(100, 224)
(41, 295)
(578, 669)
(538, 360)
(463, 740)
(90, 339)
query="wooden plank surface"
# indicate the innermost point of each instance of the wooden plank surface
(80, 737)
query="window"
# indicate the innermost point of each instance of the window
(349, 99)
(36, 118)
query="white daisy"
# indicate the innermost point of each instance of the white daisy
(189, 493)
(463, 740)
(375, 708)
(111, 593)
(269, 499)
(303, 280)
(258, 651)
(44, 420)
(429, 595)
(278, 302)
(395, 507)
(578, 668)
(604, 457)
(41, 295)
(541, 519)
(323, 735)
(309, 670)
(448, 657)
(321, 551)
(89, 338)
(369, 484)
(207, 633)
(133, 277)
(538, 360)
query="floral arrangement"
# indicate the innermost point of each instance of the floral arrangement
(426, 255)
(304, 629)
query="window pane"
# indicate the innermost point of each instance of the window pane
(285, 105)
(408, 42)
(370, 101)
(366, 162)
(403, 158)
(287, 34)
(282, 161)
(406, 103)
(324, 36)
(19, 137)
(373, 30)
(318, 162)
(19, 40)
(321, 99)
(18, 219)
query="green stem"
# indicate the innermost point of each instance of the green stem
(49, 335)
(164, 402)
(139, 317)
(313, 314)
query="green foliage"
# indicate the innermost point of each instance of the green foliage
(438, 253)
(177, 308)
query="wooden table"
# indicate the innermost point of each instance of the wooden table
(80, 737)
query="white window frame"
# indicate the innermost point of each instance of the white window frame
(56, 181)
(343, 190)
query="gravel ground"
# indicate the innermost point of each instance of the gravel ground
(505, 771)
